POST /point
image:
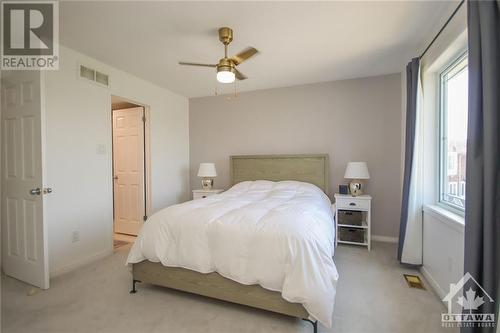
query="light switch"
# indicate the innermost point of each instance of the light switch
(101, 149)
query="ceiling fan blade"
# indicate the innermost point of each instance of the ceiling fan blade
(195, 64)
(244, 55)
(240, 76)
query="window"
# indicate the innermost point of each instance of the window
(462, 189)
(452, 163)
(452, 188)
(453, 133)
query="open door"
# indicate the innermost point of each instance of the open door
(128, 170)
(24, 231)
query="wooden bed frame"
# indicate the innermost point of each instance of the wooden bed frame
(307, 168)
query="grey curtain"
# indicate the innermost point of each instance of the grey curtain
(412, 73)
(482, 207)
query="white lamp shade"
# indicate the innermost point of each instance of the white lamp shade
(356, 170)
(207, 170)
(225, 77)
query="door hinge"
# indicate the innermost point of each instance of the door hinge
(144, 119)
(145, 217)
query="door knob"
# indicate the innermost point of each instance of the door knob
(47, 190)
(115, 177)
(36, 191)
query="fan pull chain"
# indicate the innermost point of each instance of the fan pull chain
(235, 90)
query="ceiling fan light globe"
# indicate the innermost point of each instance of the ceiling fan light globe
(225, 77)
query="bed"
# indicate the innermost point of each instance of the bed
(267, 242)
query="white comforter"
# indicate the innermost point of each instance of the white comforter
(275, 234)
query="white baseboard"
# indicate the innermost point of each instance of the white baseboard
(385, 239)
(440, 293)
(82, 262)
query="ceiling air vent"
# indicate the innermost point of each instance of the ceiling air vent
(93, 75)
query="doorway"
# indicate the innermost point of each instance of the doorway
(130, 131)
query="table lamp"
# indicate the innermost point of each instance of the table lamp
(207, 172)
(356, 171)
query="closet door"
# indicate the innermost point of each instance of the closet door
(128, 170)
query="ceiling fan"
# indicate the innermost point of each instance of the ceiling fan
(226, 68)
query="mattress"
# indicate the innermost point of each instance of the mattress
(279, 235)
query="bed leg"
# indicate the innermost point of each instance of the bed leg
(314, 323)
(133, 291)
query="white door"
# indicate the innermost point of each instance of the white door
(24, 231)
(128, 169)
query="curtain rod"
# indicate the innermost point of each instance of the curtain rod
(444, 26)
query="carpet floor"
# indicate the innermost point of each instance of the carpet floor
(372, 296)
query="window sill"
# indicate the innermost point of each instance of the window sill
(454, 220)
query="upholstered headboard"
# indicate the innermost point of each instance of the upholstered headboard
(305, 168)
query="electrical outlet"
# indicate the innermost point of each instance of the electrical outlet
(76, 236)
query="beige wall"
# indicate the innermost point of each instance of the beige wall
(78, 163)
(351, 120)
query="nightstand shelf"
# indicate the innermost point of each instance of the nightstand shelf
(353, 220)
(364, 225)
(352, 243)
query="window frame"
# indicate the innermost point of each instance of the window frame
(454, 68)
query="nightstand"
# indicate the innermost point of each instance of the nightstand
(353, 219)
(200, 194)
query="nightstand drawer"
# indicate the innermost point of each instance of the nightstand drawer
(352, 203)
(201, 194)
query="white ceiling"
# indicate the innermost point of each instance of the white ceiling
(299, 42)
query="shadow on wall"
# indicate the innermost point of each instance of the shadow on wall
(184, 175)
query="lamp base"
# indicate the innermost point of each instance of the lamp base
(355, 188)
(207, 183)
